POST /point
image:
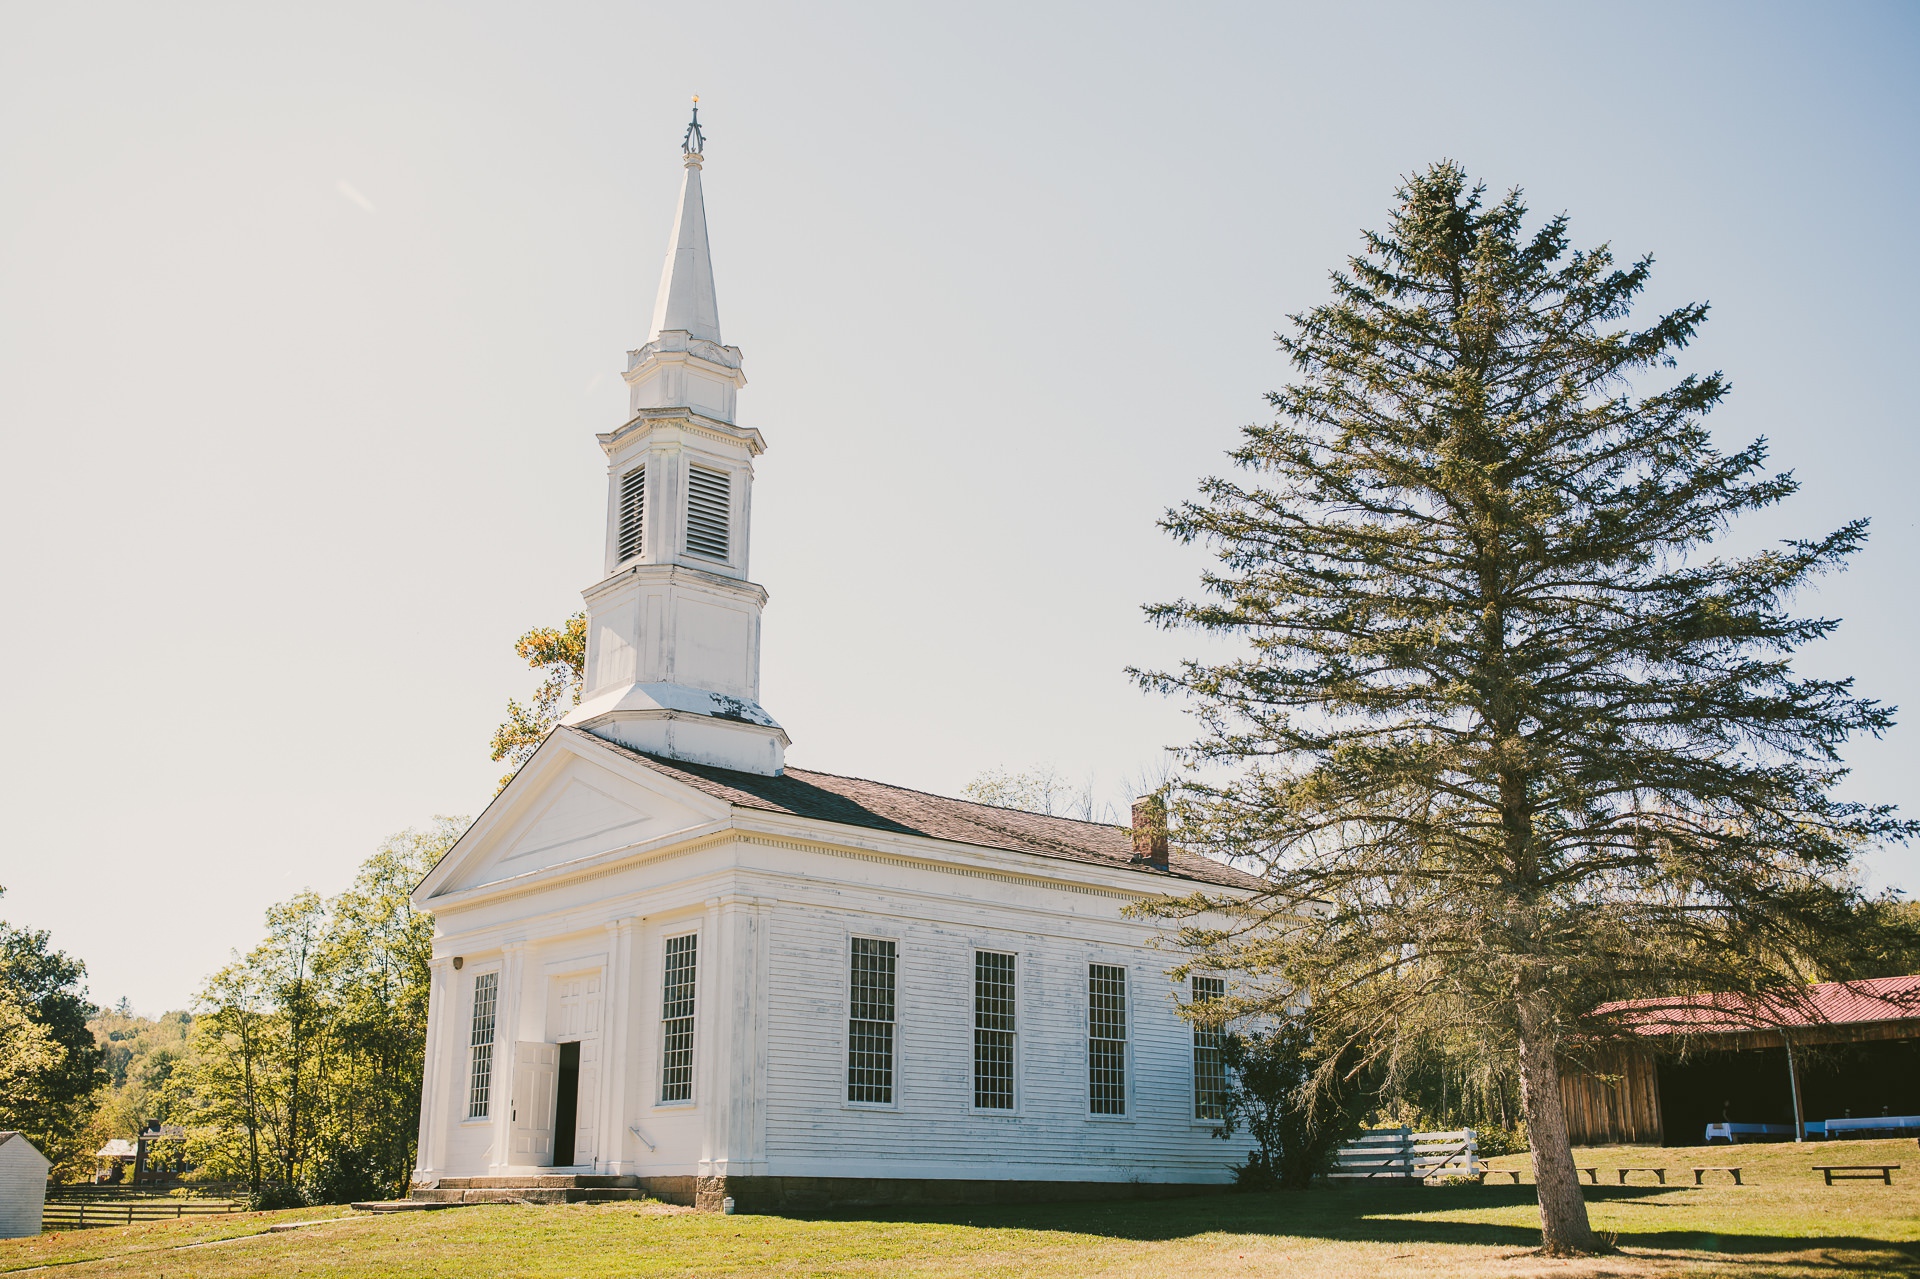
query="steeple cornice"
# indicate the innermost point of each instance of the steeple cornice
(688, 420)
(715, 353)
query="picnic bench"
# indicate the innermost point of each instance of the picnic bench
(1500, 1172)
(1857, 1172)
(1699, 1173)
(1593, 1174)
(1658, 1172)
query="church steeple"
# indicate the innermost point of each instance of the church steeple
(673, 630)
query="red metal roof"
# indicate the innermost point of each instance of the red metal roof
(1829, 1003)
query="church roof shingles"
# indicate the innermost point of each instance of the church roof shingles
(855, 801)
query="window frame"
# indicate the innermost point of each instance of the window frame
(846, 1025)
(1193, 1092)
(973, 1039)
(660, 1099)
(493, 1046)
(1128, 1072)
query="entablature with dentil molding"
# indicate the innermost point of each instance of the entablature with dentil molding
(689, 420)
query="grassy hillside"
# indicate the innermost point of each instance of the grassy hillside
(1784, 1222)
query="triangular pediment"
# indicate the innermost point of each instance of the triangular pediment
(579, 817)
(573, 802)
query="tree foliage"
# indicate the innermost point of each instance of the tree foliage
(560, 655)
(50, 1066)
(303, 1071)
(1508, 735)
(140, 1054)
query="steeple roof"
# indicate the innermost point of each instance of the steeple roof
(686, 300)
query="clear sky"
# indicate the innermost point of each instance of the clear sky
(309, 314)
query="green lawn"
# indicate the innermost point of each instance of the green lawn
(1784, 1222)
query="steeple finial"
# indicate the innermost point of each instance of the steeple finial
(695, 141)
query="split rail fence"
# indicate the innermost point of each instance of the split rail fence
(1404, 1154)
(85, 1207)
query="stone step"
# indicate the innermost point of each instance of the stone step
(401, 1205)
(541, 1181)
(448, 1198)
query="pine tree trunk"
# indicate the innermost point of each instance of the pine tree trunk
(1563, 1209)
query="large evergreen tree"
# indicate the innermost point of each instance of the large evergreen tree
(1506, 735)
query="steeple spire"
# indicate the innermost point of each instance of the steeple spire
(686, 300)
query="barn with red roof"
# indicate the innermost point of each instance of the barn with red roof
(1833, 1060)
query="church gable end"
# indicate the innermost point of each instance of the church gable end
(564, 808)
(580, 818)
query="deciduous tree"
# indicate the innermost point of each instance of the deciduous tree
(560, 655)
(47, 1050)
(302, 1075)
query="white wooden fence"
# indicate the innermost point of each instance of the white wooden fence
(1404, 1153)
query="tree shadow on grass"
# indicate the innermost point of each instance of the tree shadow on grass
(1383, 1215)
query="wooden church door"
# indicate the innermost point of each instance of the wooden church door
(536, 1078)
(574, 1014)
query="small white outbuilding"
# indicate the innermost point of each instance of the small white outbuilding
(23, 1186)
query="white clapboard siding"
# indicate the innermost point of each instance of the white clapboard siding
(1050, 1134)
(1404, 1153)
(23, 1186)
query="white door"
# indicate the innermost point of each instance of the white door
(536, 1076)
(576, 1016)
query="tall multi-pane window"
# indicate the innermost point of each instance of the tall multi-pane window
(631, 532)
(1209, 1063)
(486, 997)
(870, 1021)
(676, 1018)
(993, 1015)
(1107, 1039)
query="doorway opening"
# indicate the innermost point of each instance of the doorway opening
(566, 1105)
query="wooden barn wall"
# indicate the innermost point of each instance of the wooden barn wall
(1613, 1096)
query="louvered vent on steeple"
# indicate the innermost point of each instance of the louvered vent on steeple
(709, 500)
(633, 513)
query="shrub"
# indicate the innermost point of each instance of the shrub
(1297, 1106)
(1490, 1143)
(343, 1174)
(271, 1197)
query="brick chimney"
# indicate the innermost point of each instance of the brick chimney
(1150, 831)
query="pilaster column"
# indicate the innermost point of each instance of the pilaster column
(712, 992)
(617, 1040)
(430, 1151)
(506, 1034)
(748, 1139)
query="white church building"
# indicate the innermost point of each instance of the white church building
(663, 960)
